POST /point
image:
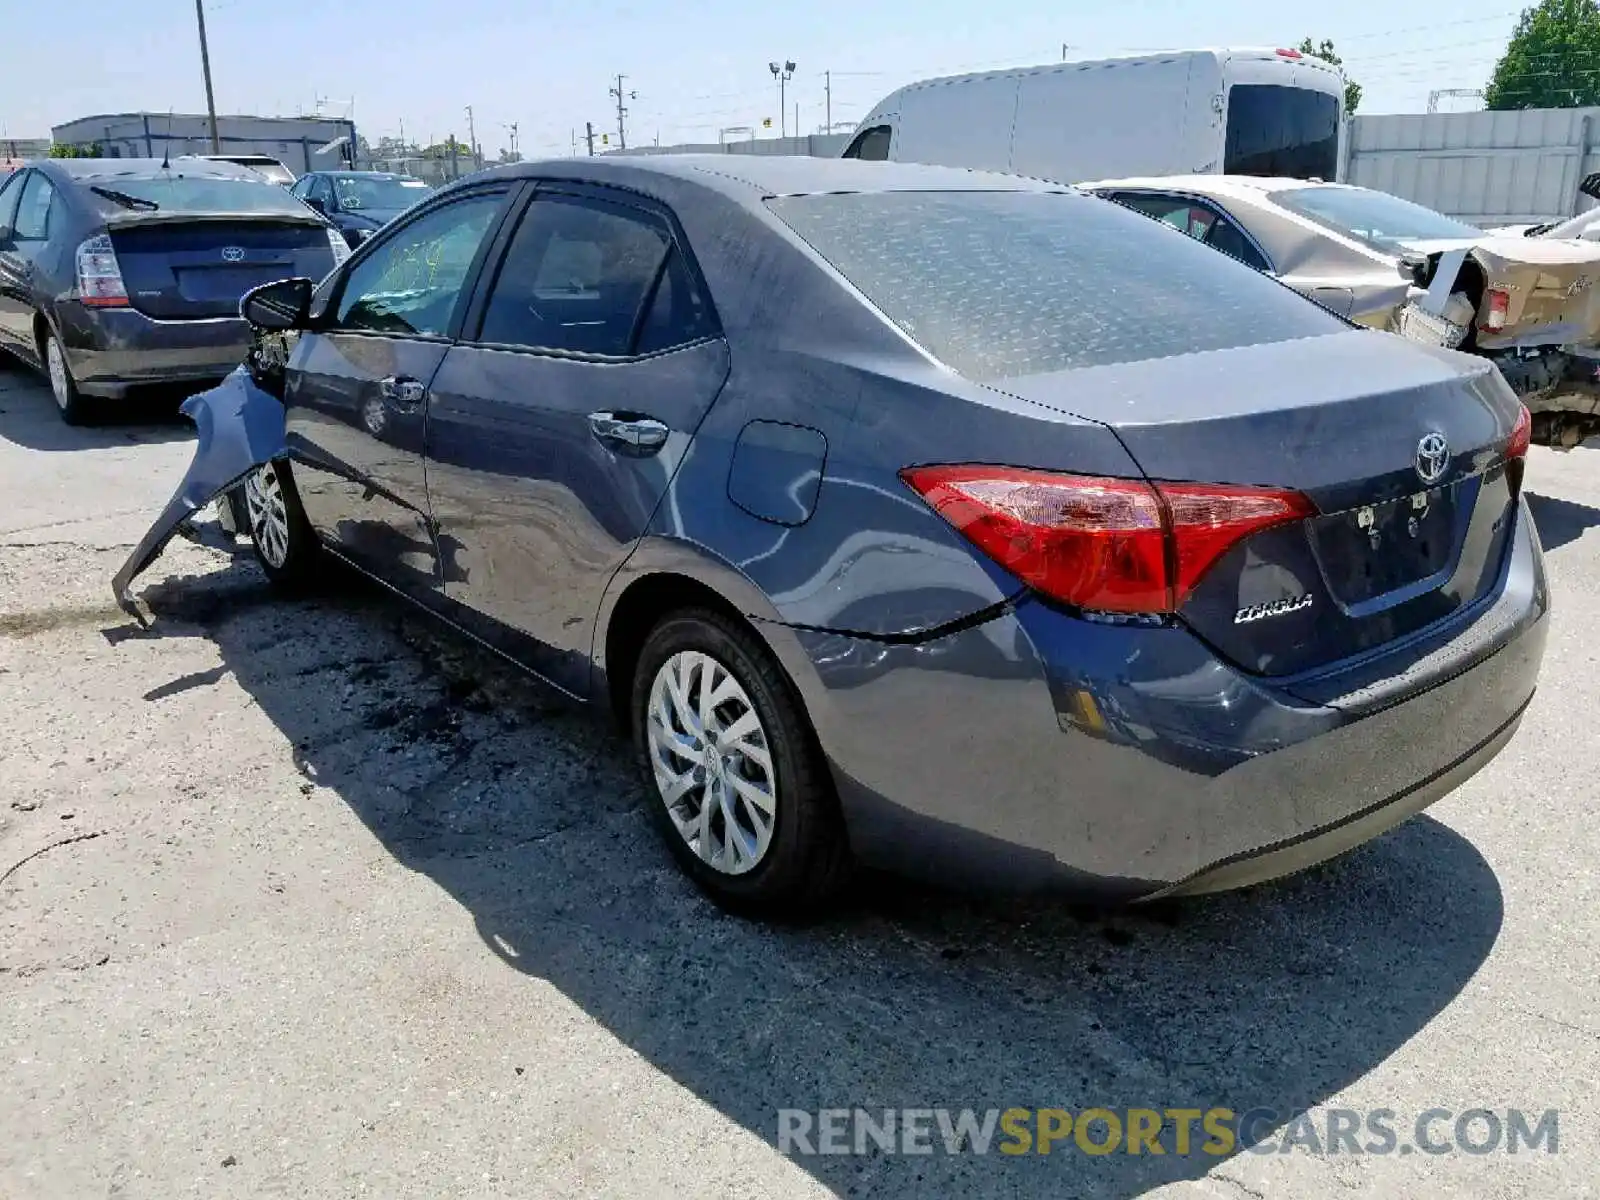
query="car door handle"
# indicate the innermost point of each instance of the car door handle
(629, 433)
(402, 395)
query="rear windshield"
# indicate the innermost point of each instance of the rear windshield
(175, 192)
(1281, 132)
(1003, 284)
(1377, 219)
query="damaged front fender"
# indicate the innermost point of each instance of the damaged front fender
(239, 427)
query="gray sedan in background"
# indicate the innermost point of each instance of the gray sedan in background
(121, 272)
(956, 523)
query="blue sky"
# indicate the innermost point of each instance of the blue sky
(696, 67)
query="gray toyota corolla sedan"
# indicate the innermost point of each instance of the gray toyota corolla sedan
(118, 272)
(957, 523)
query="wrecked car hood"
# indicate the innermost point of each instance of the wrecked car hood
(238, 427)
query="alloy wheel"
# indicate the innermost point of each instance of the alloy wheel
(712, 762)
(268, 514)
(60, 381)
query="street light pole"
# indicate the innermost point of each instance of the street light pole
(205, 65)
(782, 72)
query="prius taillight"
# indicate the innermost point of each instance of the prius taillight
(1109, 545)
(100, 275)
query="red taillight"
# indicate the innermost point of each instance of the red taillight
(100, 275)
(1289, 54)
(1111, 545)
(1521, 434)
(1499, 303)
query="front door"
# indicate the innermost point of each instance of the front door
(357, 385)
(558, 421)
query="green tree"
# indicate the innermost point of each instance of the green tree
(61, 150)
(1324, 51)
(1552, 60)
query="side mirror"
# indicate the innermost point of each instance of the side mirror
(279, 306)
(315, 204)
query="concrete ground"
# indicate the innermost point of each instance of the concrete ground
(311, 899)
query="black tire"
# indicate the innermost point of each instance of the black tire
(807, 861)
(291, 565)
(75, 408)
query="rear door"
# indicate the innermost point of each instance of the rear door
(557, 423)
(356, 387)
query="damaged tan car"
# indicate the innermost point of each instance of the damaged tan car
(1528, 304)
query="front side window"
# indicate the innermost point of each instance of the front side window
(576, 278)
(1277, 131)
(1004, 284)
(871, 145)
(33, 213)
(1385, 223)
(410, 282)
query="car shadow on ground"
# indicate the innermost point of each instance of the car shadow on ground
(528, 812)
(1561, 521)
(28, 417)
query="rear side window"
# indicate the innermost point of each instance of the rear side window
(1004, 284)
(871, 145)
(575, 278)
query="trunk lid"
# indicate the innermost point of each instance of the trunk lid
(1342, 419)
(188, 268)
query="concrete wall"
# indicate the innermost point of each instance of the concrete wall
(816, 145)
(1486, 168)
(294, 141)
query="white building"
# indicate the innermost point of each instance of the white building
(300, 143)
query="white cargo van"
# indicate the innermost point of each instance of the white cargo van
(1185, 112)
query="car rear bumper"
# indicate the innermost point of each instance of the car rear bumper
(112, 350)
(1039, 751)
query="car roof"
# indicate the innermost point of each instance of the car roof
(750, 177)
(99, 169)
(363, 174)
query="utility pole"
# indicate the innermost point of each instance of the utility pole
(513, 130)
(827, 94)
(589, 136)
(472, 140)
(622, 112)
(782, 72)
(205, 65)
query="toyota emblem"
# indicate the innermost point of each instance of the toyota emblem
(233, 254)
(1433, 456)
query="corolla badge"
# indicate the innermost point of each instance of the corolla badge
(1273, 608)
(233, 254)
(1433, 456)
